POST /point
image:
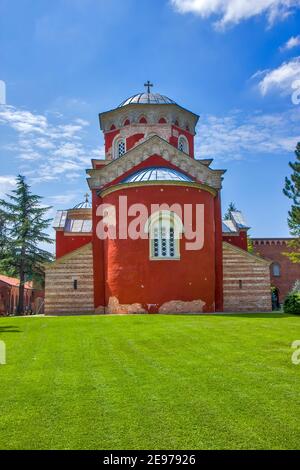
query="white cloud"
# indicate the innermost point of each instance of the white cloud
(58, 149)
(235, 11)
(279, 79)
(7, 183)
(294, 41)
(238, 136)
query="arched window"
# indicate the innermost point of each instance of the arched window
(143, 120)
(183, 144)
(127, 122)
(276, 270)
(162, 121)
(165, 229)
(112, 127)
(119, 147)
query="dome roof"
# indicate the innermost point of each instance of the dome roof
(147, 98)
(157, 174)
(84, 204)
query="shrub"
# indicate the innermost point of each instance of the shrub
(292, 303)
(296, 287)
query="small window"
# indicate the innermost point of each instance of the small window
(240, 284)
(162, 121)
(75, 284)
(176, 123)
(127, 122)
(119, 148)
(112, 127)
(183, 145)
(143, 120)
(276, 271)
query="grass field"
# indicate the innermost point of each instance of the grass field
(150, 382)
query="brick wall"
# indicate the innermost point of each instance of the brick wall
(273, 249)
(60, 295)
(246, 281)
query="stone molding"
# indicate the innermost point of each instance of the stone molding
(98, 178)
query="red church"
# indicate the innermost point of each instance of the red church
(152, 240)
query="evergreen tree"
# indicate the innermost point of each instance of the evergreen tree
(24, 228)
(231, 208)
(292, 191)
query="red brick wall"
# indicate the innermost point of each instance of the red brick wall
(239, 240)
(273, 250)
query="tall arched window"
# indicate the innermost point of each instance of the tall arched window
(276, 270)
(165, 229)
(119, 147)
(183, 144)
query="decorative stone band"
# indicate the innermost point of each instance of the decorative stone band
(153, 113)
(155, 146)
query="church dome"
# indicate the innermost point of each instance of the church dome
(147, 98)
(86, 204)
(157, 174)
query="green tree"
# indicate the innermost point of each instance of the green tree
(231, 208)
(25, 231)
(292, 191)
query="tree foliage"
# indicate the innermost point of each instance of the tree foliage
(231, 208)
(292, 191)
(23, 229)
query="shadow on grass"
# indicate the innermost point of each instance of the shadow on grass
(9, 329)
(257, 315)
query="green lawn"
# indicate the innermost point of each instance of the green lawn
(150, 382)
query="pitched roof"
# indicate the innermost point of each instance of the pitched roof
(14, 282)
(99, 178)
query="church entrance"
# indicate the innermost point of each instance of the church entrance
(275, 298)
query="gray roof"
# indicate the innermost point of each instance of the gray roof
(157, 174)
(239, 219)
(71, 225)
(147, 98)
(228, 226)
(235, 223)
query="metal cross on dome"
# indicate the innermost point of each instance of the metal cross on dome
(148, 85)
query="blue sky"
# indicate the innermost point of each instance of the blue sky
(234, 62)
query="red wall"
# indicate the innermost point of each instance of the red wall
(134, 138)
(241, 240)
(132, 277)
(290, 272)
(174, 140)
(67, 243)
(219, 254)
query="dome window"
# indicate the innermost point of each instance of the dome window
(183, 144)
(143, 120)
(119, 147)
(127, 122)
(162, 121)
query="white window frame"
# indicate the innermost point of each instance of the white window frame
(165, 230)
(182, 138)
(117, 141)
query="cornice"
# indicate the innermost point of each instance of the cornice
(99, 178)
(120, 187)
